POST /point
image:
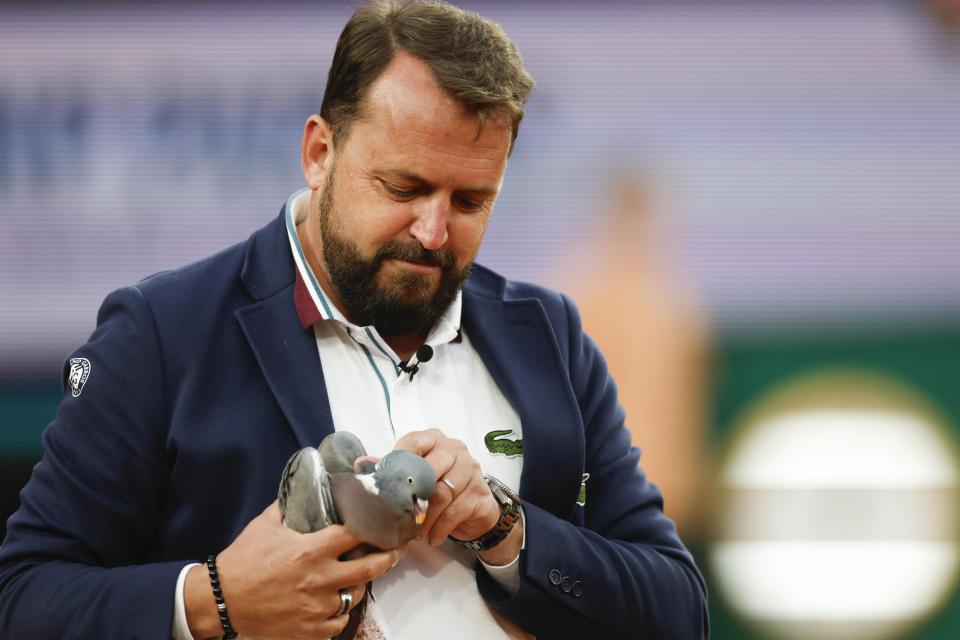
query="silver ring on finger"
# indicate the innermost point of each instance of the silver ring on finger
(346, 599)
(450, 484)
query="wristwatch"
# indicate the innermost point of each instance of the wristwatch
(509, 515)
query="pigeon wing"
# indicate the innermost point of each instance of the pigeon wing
(305, 495)
(339, 450)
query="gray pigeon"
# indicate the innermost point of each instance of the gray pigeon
(384, 504)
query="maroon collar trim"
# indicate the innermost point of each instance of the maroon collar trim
(307, 310)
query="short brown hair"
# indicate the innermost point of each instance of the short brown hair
(470, 56)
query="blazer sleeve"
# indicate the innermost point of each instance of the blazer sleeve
(72, 565)
(618, 565)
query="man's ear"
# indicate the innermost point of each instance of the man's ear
(316, 153)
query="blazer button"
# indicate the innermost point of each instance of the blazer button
(577, 589)
(566, 584)
(555, 577)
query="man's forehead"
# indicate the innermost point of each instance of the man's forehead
(411, 128)
(407, 91)
(408, 80)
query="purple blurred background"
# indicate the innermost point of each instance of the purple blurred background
(810, 151)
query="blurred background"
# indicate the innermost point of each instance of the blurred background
(755, 205)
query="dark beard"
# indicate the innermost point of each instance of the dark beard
(404, 306)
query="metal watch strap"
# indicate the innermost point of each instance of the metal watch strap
(509, 515)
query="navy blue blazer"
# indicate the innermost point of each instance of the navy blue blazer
(202, 382)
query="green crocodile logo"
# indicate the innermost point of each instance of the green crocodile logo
(503, 446)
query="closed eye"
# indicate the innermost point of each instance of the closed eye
(398, 192)
(463, 202)
(467, 204)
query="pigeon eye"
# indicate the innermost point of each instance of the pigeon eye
(409, 479)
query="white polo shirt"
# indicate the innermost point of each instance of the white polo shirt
(432, 591)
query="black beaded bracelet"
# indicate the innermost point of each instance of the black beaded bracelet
(228, 632)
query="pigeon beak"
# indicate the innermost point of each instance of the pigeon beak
(419, 510)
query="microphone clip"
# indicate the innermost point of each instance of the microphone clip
(411, 369)
(424, 353)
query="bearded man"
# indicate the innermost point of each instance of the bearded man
(202, 381)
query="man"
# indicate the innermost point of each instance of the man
(202, 381)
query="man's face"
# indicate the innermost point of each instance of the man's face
(407, 303)
(399, 210)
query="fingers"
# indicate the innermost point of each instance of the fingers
(473, 510)
(330, 627)
(349, 596)
(420, 442)
(461, 500)
(337, 622)
(460, 470)
(371, 566)
(334, 540)
(332, 543)
(363, 461)
(449, 458)
(356, 594)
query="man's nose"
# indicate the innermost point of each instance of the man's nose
(430, 225)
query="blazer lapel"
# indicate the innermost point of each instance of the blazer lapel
(519, 349)
(286, 352)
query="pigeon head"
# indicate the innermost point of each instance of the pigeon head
(406, 481)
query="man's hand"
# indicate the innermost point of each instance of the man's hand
(278, 583)
(466, 511)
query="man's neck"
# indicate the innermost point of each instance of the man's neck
(405, 346)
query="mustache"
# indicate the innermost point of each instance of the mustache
(415, 252)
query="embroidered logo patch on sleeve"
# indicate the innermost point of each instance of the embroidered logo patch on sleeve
(497, 444)
(78, 374)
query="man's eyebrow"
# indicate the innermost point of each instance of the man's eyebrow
(403, 174)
